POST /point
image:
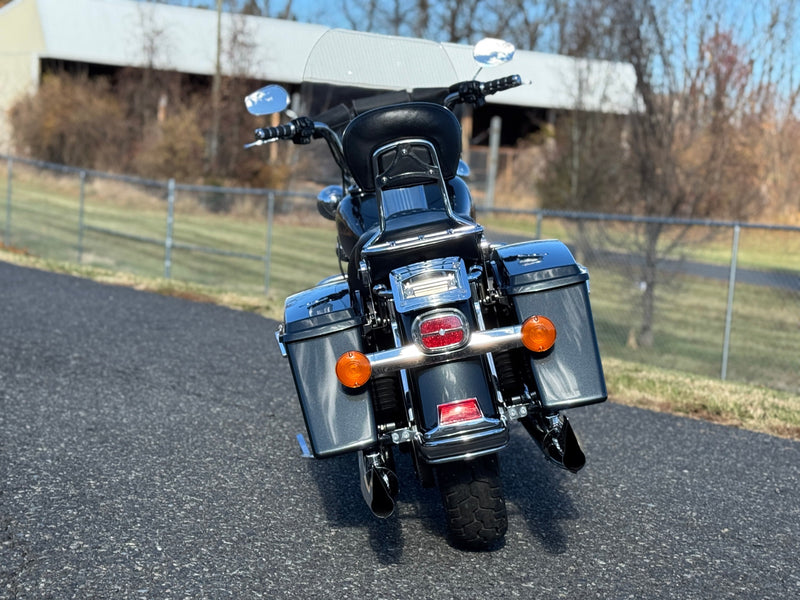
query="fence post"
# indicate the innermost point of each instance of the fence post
(170, 222)
(268, 253)
(80, 217)
(538, 225)
(7, 231)
(729, 310)
(495, 126)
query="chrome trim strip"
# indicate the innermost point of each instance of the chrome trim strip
(419, 241)
(475, 443)
(476, 307)
(411, 357)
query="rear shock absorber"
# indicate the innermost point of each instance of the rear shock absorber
(509, 381)
(387, 401)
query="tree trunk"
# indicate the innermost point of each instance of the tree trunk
(646, 336)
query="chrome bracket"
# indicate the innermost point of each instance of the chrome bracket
(402, 435)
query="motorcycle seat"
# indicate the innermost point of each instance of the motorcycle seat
(376, 128)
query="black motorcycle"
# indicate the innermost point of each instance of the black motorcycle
(431, 340)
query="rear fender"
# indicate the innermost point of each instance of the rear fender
(450, 382)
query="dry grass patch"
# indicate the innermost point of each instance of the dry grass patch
(741, 405)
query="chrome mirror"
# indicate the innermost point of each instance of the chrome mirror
(268, 100)
(328, 201)
(491, 52)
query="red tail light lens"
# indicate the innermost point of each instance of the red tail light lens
(459, 411)
(441, 331)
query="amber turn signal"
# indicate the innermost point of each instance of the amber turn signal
(538, 333)
(353, 369)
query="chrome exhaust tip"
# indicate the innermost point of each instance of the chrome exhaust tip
(379, 484)
(556, 438)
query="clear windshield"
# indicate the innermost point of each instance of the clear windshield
(346, 65)
(379, 62)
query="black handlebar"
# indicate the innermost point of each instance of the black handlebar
(281, 132)
(502, 84)
(302, 129)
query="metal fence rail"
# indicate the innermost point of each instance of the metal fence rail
(726, 303)
(170, 190)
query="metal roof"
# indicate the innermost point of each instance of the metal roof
(119, 32)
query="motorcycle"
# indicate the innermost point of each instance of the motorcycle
(432, 341)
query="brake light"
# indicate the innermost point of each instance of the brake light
(441, 331)
(538, 333)
(459, 411)
(353, 369)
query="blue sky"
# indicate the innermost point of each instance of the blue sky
(324, 12)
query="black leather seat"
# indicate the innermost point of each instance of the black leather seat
(414, 120)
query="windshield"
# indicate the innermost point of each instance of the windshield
(348, 65)
(378, 62)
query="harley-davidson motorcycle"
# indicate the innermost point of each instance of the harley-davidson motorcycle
(432, 340)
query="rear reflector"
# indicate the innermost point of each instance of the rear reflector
(459, 411)
(440, 331)
(353, 369)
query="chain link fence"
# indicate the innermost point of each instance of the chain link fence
(719, 299)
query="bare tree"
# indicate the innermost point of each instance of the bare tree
(460, 21)
(706, 78)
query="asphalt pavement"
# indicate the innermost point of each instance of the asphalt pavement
(147, 450)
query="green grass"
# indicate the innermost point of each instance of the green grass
(45, 223)
(689, 327)
(759, 249)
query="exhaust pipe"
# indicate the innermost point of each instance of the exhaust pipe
(378, 484)
(555, 437)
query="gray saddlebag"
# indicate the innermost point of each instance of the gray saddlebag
(542, 278)
(320, 325)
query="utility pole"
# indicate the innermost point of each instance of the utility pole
(216, 88)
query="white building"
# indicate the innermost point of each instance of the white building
(124, 33)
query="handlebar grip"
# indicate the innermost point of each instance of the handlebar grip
(499, 85)
(281, 132)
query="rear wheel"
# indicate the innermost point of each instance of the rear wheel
(474, 506)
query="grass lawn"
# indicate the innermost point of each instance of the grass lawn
(679, 373)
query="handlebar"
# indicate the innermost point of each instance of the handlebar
(475, 92)
(302, 129)
(281, 132)
(499, 85)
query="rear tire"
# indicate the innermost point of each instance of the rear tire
(473, 500)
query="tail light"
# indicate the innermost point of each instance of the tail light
(441, 330)
(459, 411)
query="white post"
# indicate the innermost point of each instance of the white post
(729, 311)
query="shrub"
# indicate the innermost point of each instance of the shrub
(71, 120)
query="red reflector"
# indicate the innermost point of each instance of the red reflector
(459, 411)
(442, 331)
